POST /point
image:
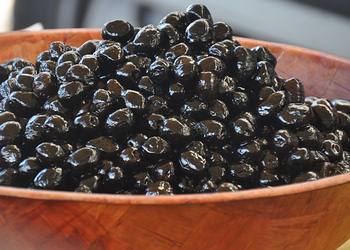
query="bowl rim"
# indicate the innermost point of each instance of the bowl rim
(179, 199)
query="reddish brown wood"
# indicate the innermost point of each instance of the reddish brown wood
(312, 215)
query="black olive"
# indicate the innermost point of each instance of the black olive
(34, 130)
(157, 104)
(341, 105)
(206, 186)
(28, 70)
(61, 70)
(154, 147)
(83, 160)
(10, 132)
(265, 75)
(177, 94)
(49, 178)
(244, 174)
(71, 93)
(10, 156)
(180, 49)
(199, 32)
(227, 187)
(57, 127)
(131, 158)
(192, 162)
(4, 72)
(270, 161)
(263, 54)
(146, 86)
(106, 145)
(44, 85)
(88, 185)
(207, 86)
(160, 71)
(27, 169)
(69, 56)
(212, 64)
(137, 141)
(24, 82)
(147, 39)
(221, 51)
(176, 19)
(216, 174)
(169, 35)
(295, 114)
(195, 109)
(226, 86)
(50, 153)
(117, 30)
(57, 48)
(153, 122)
(53, 105)
(294, 90)
(109, 57)
(241, 129)
(8, 177)
(268, 179)
(23, 103)
(244, 65)
(91, 62)
(283, 140)
(87, 125)
(120, 122)
(103, 102)
(222, 31)
(165, 171)
(43, 56)
(7, 87)
(309, 136)
(308, 176)
(273, 104)
(134, 100)
(175, 130)
(199, 147)
(115, 87)
(236, 101)
(87, 48)
(80, 72)
(250, 150)
(141, 62)
(114, 179)
(185, 69)
(128, 74)
(7, 116)
(332, 149)
(298, 160)
(196, 11)
(211, 131)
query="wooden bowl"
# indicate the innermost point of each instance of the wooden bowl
(314, 215)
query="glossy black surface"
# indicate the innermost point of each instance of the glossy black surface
(177, 107)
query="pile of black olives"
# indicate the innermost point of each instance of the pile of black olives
(181, 107)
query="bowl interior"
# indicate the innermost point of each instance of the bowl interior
(322, 75)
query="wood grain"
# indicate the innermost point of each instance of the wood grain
(312, 215)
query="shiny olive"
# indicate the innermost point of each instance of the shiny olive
(118, 30)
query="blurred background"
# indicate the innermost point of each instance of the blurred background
(318, 24)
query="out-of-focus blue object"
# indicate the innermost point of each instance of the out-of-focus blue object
(317, 24)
